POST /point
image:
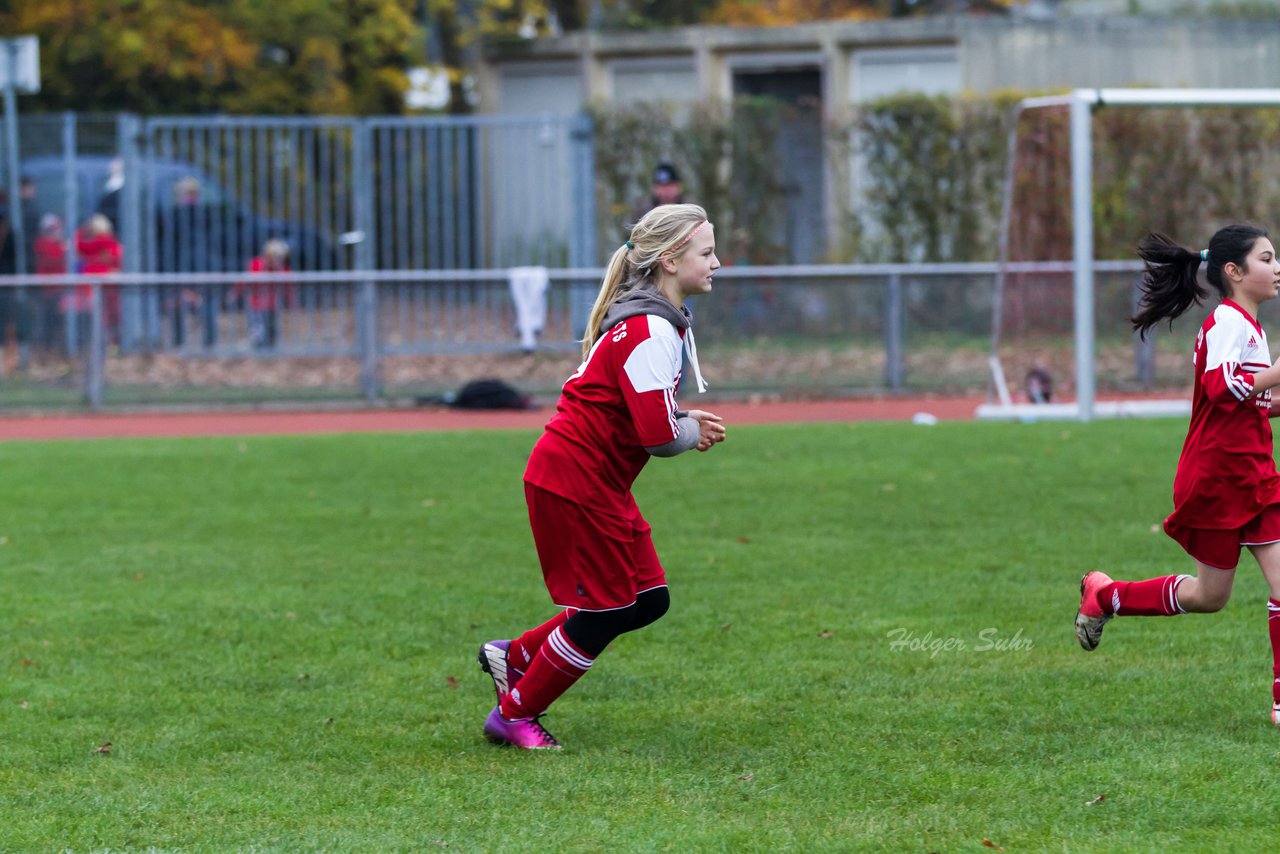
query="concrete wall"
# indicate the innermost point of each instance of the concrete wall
(1111, 51)
(669, 79)
(861, 59)
(877, 72)
(546, 86)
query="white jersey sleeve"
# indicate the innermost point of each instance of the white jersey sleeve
(1225, 344)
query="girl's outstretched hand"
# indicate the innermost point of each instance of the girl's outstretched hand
(710, 430)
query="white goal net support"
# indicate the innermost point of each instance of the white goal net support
(1077, 282)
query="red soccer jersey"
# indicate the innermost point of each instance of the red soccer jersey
(621, 400)
(1226, 474)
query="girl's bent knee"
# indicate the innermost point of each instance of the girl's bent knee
(651, 605)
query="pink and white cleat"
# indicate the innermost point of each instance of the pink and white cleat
(1091, 618)
(524, 733)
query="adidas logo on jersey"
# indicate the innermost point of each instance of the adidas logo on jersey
(1253, 341)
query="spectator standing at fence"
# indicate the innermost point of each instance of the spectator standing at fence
(615, 412)
(50, 257)
(188, 246)
(100, 253)
(8, 267)
(1226, 492)
(15, 315)
(18, 259)
(109, 202)
(263, 300)
(666, 189)
(27, 192)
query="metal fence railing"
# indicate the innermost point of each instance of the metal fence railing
(233, 337)
(203, 194)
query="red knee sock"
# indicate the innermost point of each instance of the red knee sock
(525, 647)
(1273, 625)
(554, 669)
(1155, 597)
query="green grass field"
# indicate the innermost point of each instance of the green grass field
(869, 649)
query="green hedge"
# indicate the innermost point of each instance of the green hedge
(920, 178)
(727, 159)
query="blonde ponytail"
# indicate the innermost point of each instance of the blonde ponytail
(610, 289)
(662, 232)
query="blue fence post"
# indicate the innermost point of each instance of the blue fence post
(21, 240)
(1144, 347)
(133, 314)
(367, 304)
(582, 242)
(95, 352)
(71, 222)
(893, 371)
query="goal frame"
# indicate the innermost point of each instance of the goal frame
(1083, 103)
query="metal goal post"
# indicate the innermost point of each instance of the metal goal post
(1083, 103)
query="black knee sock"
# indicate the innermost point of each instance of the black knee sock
(592, 631)
(650, 606)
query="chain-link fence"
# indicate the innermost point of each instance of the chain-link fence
(253, 259)
(182, 197)
(400, 335)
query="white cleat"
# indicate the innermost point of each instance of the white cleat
(493, 660)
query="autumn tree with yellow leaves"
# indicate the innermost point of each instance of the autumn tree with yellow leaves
(774, 13)
(249, 56)
(333, 56)
(149, 55)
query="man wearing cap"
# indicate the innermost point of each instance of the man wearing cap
(666, 191)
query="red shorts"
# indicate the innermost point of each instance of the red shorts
(1221, 549)
(591, 561)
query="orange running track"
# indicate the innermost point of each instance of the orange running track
(104, 426)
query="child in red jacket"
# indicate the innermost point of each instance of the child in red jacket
(100, 252)
(262, 300)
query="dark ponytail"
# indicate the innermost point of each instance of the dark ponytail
(1169, 285)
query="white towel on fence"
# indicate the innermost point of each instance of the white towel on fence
(529, 293)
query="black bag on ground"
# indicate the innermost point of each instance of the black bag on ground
(487, 394)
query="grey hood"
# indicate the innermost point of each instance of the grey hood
(645, 301)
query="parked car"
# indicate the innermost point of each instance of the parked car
(195, 224)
